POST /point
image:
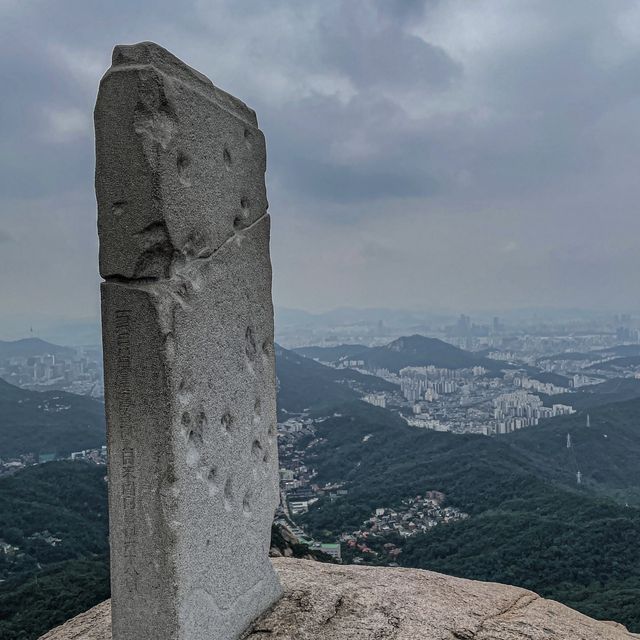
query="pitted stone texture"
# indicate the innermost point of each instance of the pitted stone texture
(188, 347)
(158, 117)
(330, 602)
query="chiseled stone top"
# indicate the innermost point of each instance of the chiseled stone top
(183, 145)
(332, 602)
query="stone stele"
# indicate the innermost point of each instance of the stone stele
(187, 324)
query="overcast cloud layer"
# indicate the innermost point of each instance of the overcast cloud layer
(458, 154)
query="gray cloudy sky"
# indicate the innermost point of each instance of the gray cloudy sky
(459, 154)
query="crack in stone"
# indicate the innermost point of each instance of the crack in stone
(336, 610)
(394, 623)
(520, 603)
(180, 261)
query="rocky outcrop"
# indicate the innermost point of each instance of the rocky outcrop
(334, 602)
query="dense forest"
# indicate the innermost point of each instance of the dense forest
(48, 422)
(606, 453)
(54, 521)
(304, 384)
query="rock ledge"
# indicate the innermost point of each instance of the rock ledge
(332, 602)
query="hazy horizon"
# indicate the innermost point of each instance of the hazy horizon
(427, 154)
(58, 328)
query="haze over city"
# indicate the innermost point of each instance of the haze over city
(427, 155)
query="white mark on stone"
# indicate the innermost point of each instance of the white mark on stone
(212, 481)
(170, 346)
(184, 391)
(194, 438)
(157, 127)
(118, 208)
(193, 455)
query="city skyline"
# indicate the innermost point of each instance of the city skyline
(67, 330)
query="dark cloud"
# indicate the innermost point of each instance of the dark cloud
(373, 49)
(461, 153)
(361, 150)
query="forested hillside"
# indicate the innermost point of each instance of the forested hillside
(597, 395)
(54, 558)
(48, 422)
(53, 523)
(304, 384)
(606, 452)
(527, 526)
(410, 351)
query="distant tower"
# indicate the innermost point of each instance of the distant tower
(579, 477)
(568, 441)
(588, 420)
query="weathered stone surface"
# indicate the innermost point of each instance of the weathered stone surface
(188, 346)
(180, 164)
(94, 624)
(331, 602)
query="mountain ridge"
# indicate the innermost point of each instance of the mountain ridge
(407, 351)
(29, 347)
